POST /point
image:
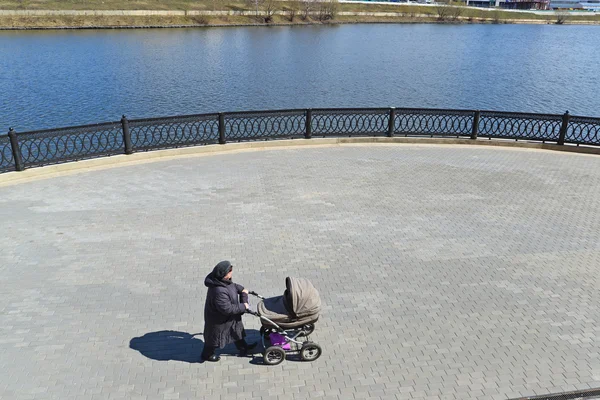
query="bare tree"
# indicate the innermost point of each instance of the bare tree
(307, 8)
(443, 12)
(292, 9)
(270, 9)
(455, 11)
(264, 9)
(201, 20)
(321, 11)
(256, 4)
(334, 7)
(496, 17)
(562, 16)
(327, 10)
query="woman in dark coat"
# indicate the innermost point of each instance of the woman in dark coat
(226, 302)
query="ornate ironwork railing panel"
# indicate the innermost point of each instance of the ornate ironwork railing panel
(430, 122)
(525, 126)
(169, 132)
(251, 125)
(54, 146)
(583, 130)
(7, 163)
(350, 122)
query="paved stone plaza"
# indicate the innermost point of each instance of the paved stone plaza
(446, 272)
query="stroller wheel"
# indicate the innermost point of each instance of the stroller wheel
(310, 351)
(307, 330)
(274, 355)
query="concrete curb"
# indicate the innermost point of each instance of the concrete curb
(70, 168)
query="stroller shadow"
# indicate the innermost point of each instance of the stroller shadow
(182, 346)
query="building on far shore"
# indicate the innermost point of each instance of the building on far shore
(591, 5)
(527, 4)
(583, 5)
(513, 4)
(485, 3)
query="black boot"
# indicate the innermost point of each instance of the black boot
(244, 347)
(208, 354)
(212, 358)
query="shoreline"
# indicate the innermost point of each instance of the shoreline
(11, 20)
(50, 26)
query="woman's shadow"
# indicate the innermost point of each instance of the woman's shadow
(181, 346)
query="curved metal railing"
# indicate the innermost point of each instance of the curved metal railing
(19, 151)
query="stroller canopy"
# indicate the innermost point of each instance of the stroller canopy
(301, 297)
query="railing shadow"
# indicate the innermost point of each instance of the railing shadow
(181, 346)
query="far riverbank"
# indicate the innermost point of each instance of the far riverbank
(111, 19)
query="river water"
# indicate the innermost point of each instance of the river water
(61, 78)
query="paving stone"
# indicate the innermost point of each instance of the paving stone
(446, 272)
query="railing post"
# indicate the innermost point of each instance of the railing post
(308, 131)
(16, 150)
(475, 130)
(222, 139)
(391, 122)
(563, 128)
(126, 135)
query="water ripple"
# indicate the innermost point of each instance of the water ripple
(54, 78)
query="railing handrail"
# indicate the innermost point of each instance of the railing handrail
(584, 117)
(172, 117)
(66, 128)
(527, 114)
(241, 112)
(283, 110)
(50, 146)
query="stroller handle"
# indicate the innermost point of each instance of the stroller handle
(249, 311)
(253, 293)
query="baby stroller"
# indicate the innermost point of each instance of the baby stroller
(288, 320)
